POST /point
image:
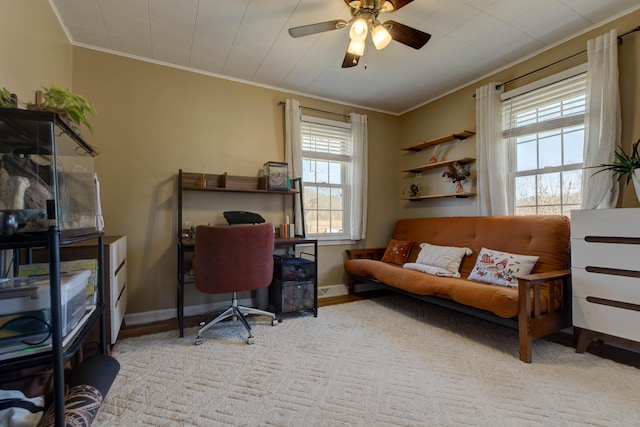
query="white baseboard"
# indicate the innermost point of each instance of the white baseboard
(340, 290)
(332, 291)
(170, 313)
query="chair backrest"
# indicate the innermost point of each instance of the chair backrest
(233, 258)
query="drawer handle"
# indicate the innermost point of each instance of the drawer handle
(121, 292)
(612, 303)
(613, 271)
(120, 267)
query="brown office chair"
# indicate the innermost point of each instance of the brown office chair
(231, 259)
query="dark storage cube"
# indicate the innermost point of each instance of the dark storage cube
(293, 269)
(291, 296)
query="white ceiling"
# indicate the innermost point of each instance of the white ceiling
(247, 40)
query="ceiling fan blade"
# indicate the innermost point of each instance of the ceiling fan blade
(397, 4)
(320, 27)
(350, 60)
(407, 35)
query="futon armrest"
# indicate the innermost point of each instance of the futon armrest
(371, 253)
(533, 321)
(557, 284)
(543, 277)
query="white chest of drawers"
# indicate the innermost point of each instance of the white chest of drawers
(605, 265)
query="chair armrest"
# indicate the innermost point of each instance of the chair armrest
(371, 253)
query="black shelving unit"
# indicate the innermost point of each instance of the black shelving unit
(59, 353)
(48, 220)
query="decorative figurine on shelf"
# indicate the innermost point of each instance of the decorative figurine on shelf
(412, 190)
(434, 157)
(456, 173)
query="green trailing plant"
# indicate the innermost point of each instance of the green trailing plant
(75, 106)
(624, 165)
(7, 99)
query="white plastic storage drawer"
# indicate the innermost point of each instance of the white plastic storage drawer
(37, 296)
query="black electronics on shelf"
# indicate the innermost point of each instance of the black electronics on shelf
(241, 217)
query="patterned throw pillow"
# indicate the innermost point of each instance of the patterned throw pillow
(501, 268)
(447, 257)
(397, 251)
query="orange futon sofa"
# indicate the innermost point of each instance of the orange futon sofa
(538, 304)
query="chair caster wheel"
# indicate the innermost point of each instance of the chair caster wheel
(274, 322)
(251, 340)
(198, 340)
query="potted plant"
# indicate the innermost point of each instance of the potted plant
(76, 107)
(456, 173)
(412, 190)
(7, 99)
(625, 166)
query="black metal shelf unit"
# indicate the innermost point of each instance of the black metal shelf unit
(41, 151)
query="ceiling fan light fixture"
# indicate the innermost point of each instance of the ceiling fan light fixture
(380, 37)
(359, 29)
(356, 47)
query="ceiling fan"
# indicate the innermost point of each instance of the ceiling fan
(365, 19)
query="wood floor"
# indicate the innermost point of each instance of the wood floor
(598, 348)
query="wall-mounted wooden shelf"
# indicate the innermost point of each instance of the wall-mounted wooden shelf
(426, 144)
(225, 182)
(439, 196)
(440, 164)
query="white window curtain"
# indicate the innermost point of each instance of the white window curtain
(491, 162)
(603, 122)
(359, 140)
(293, 151)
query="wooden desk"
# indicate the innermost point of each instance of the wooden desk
(186, 246)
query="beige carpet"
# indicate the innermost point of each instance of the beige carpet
(390, 361)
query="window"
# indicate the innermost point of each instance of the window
(544, 130)
(327, 157)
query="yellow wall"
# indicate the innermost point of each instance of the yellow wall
(34, 50)
(153, 120)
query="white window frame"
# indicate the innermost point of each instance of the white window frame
(564, 122)
(345, 185)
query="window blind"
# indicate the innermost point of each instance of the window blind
(326, 141)
(555, 106)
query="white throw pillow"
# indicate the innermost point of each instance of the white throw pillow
(501, 268)
(447, 257)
